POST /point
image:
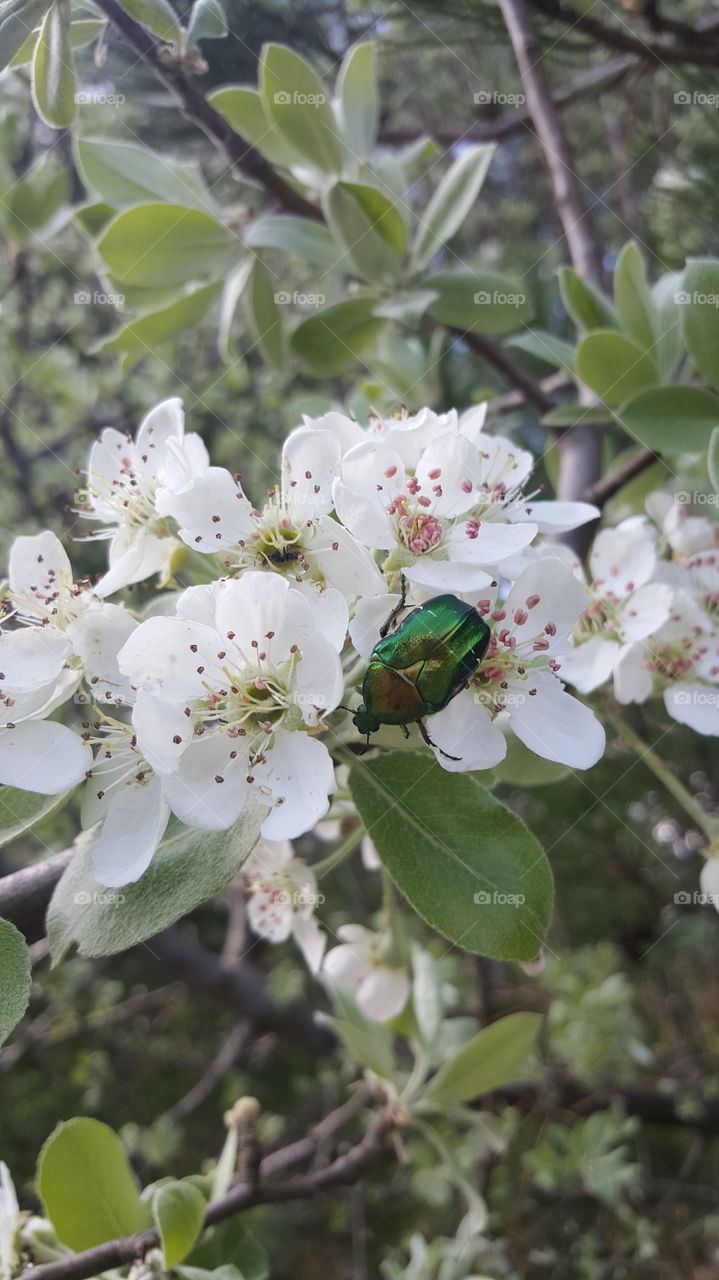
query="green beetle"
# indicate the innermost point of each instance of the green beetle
(417, 669)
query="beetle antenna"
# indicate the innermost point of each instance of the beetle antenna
(430, 743)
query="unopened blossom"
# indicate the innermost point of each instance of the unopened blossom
(361, 966)
(282, 896)
(123, 476)
(680, 663)
(626, 607)
(230, 706)
(291, 534)
(450, 521)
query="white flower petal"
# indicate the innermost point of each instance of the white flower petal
(709, 881)
(343, 561)
(193, 790)
(633, 680)
(184, 460)
(38, 567)
(164, 654)
(448, 473)
(623, 558)
(134, 556)
(213, 512)
(645, 611)
(464, 728)
(319, 683)
(546, 594)
(555, 725)
(556, 517)
(695, 705)
(43, 756)
(438, 576)
(590, 664)
(31, 656)
(383, 993)
(330, 612)
(134, 826)
(158, 725)
(97, 637)
(369, 616)
(260, 613)
(163, 423)
(346, 966)
(489, 544)
(310, 939)
(300, 777)
(310, 464)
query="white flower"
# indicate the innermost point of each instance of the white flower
(455, 515)
(360, 967)
(282, 898)
(9, 1225)
(709, 881)
(517, 683)
(626, 607)
(679, 662)
(228, 705)
(683, 533)
(127, 797)
(123, 477)
(293, 534)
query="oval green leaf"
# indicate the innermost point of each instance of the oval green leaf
(490, 1059)
(585, 303)
(451, 202)
(334, 338)
(671, 419)
(87, 1186)
(20, 810)
(14, 978)
(53, 68)
(632, 298)
(613, 366)
(164, 244)
(699, 305)
(295, 100)
(483, 301)
(178, 1211)
(465, 862)
(358, 99)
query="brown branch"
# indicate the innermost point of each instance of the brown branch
(495, 356)
(24, 894)
(702, 50)
(606, 487)
(119, 1253)
(241, 155)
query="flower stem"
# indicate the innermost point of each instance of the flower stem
(343, 850)
(691, 806)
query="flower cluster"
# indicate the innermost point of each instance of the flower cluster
(653, 622)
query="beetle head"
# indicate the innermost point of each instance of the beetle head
(364, 722)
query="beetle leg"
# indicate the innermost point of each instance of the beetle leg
(384, 629)
(405, 730)
(422, 728)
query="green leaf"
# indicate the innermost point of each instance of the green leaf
(208, 21)
(178, 1211)
(426, 994)
(94, 217)
(15, 977)
(671, 419)
(188, 868)
(358, 99)
(369, 227)
(140, 337)
(232, 1244)
(87, 1186)
(522, 768)
(308, 240)
(713, 459)
(451, 202)
(53, 68)
(633, 299)
(613, 366)
(466, 863)
(669, 347)
(369, 1043)
(333, 338)
(483, 301)
(157, 15)
(231, 294)
(38, 204)
(17, 18)
(164, 244)
(295, 99)
(490, 1059)
(585, 303)
(20, 810)
(264, 314)
(82, 32)
(699, 304)
(545, 346)
(123, 174)
(567, 415)
(242, 108)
